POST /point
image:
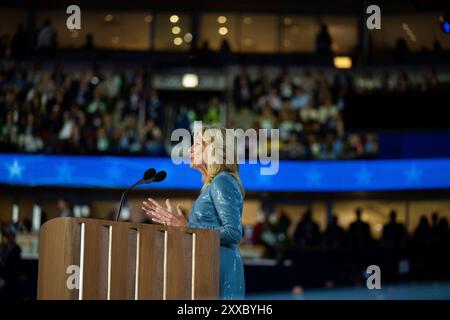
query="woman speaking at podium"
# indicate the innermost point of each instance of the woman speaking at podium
(218, 207)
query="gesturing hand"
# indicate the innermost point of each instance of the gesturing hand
(165, 216)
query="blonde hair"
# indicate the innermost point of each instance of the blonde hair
(219, 157)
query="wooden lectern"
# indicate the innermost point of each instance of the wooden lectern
(99, 259)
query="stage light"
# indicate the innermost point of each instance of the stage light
(174, 18)
(177, 41)
(342, 62)
(221, 19)
(176, 30)
(108, 18)
(189, 80)
(148, 18)
(223, 31)
(188, 37)
(248, 20)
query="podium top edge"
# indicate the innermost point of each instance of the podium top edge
(129, 225)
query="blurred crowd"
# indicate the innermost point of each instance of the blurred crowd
(276, 232)
(308, 114)
(91, 110)
(308, 108)
(397, 82)
(79, 111)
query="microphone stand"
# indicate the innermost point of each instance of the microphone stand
(123, 197)
(160, 176)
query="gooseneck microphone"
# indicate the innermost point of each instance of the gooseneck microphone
(160, 176)
(148, 177)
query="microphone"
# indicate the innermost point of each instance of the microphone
(160, 176)
(148, 177)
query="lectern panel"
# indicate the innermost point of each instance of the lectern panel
(99, 259)
(151, 263)
(179, 264)
(207, 257)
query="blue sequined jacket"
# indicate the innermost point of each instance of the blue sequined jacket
(219, 207)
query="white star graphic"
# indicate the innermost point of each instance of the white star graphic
(15, 169)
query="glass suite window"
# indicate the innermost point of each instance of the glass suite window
(109, 29)
(173, 31)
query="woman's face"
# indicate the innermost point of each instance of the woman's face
(196, 153)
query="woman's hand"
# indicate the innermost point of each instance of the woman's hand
(165, 216)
